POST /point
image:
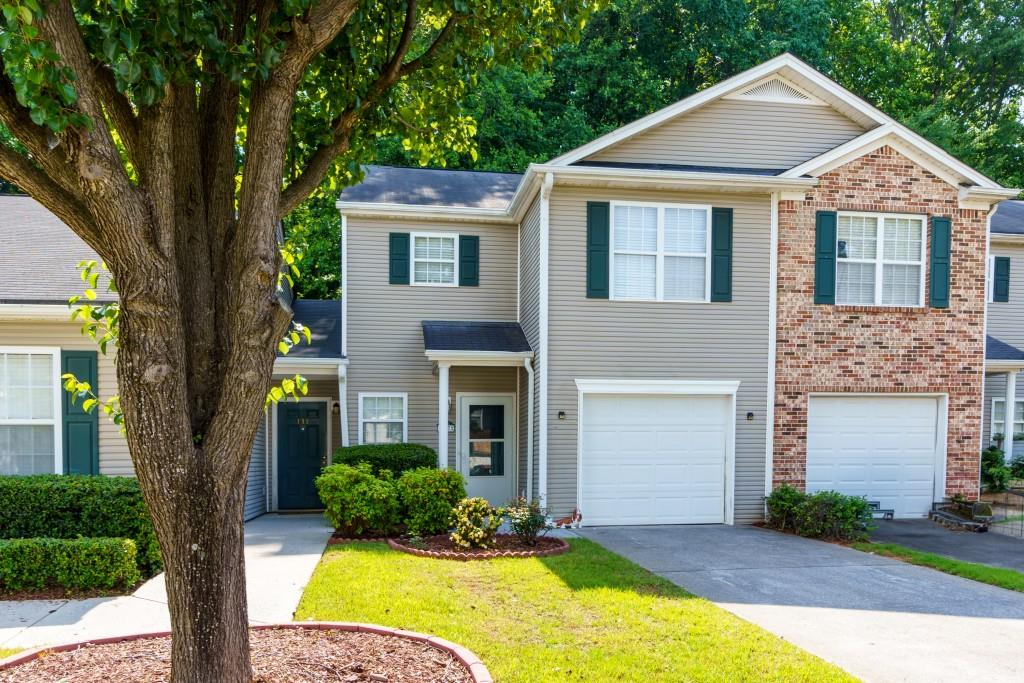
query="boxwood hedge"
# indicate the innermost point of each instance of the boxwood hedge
(396, 457)
(28, 564)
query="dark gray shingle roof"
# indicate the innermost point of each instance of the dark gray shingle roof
(323, 318)
(434, 187)
(1009, 218)
(473, 335)
(1000, 350)
(39, 254)
(744, 170)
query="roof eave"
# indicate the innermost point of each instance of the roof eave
(425, 212)
(629, 177)
(994, 365)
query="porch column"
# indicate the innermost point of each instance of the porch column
(442, 415)
(1008, 414)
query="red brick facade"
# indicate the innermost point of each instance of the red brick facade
(824, 348)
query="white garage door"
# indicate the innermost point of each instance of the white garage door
(880, 447)
(654, 459)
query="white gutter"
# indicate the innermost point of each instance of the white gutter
(309, 366)
(528, 364)
(543, 267)
(423, 212)
(773, 296)
(48, 312)
(343, 403)
(643, 176)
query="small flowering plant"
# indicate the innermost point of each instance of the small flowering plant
(527, 519)
(476, 523)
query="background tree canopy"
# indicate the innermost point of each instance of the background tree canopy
(949, 69)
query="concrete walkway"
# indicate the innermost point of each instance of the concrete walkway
(923, 534)
(879, 619)
(281, 552)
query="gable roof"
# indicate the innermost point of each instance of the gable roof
(1009, 218)
(433, 187)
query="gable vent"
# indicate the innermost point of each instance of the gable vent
(775, 89)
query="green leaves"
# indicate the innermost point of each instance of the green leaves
(290, 386)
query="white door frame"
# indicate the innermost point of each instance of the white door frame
(276, 433)
(941, 429)
(461, 465)
(667, 387)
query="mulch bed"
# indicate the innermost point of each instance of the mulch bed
(338, 538)
(294, 655)
(505, 545)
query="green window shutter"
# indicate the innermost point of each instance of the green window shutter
(597, 249)
(469, 261)
(721, 254)
(80, 430)
(938, 294)
(1001, 279)
(825, 257)
(398, 258)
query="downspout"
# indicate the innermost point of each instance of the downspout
(542, 460)
(528, 364)
(773, 297)
(343, 400)
(984, 346)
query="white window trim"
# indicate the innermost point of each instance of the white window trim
(58, 395)
(879, 260)
(992, 419)
(384, 394)
(659, 268)
(990, 279)
(454, 236)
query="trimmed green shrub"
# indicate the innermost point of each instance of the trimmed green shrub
(397, 458)
(528, 519)
(28, 564)
(428, 497)
(72, 506)
(995, 474)
(358, 503)
(476, 523)
(826, 514)
(1017, 467)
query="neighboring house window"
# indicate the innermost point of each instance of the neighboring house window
(435, 259)
(999, 416)
(29, 411)
(880, 260)
(660, 252)
(383, 418)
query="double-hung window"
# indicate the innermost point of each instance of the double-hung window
(435, 259)
(29, 411)
(999, 417)
(383, 418)
(880, 259)
(660, 252)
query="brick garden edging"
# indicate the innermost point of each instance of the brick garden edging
(477, 671)
(563, 547)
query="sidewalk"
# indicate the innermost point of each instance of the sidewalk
(281, 552)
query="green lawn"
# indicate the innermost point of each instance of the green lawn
(7, 652)
(997, 576)
(588, 615)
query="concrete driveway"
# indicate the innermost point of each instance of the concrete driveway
(879, 619)
(281, 552)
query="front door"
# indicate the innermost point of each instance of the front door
(301, 453)
(487, 446)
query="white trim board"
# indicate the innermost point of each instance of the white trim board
(514, 438)
(57, 421)
(382, 394)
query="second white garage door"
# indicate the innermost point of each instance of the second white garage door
(654, 459)
(881, 447)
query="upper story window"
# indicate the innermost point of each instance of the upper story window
(660, 252)
(383, 418)
(880, 259)
(435, 259)
(29, 411)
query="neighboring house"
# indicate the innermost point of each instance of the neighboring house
(1005, 324)
(770, 282)
(41, 431)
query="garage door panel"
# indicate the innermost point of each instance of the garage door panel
(880, 447)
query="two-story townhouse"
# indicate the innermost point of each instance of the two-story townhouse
(768, 282)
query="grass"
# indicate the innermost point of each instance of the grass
(588, 615)
(8, 651)
(1011, 519)
(996, 576)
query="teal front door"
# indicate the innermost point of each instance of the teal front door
(301, 453)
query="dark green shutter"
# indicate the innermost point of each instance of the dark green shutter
(1001, 279)
(938, 293)
(721, 254)
(398, 258)
(80, 430)
(597, 249)
(469, 261)
(825, 257)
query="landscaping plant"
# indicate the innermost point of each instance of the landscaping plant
(428, 496)
(782, 505)
(74, 564)
(826, 514)
(357, 502)
(995, 474)
(397, 458)
(1017, 467)
(527, 519)
(476, 523)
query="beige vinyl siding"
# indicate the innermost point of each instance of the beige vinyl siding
(1006, 319)
(607, 339)
(114, 457)
(529, 318)
(385, 336)
(738, 133)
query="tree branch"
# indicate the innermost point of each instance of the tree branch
(120, 111)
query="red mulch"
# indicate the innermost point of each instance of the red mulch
(501, 542)
(278, 656)
(505, 545)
